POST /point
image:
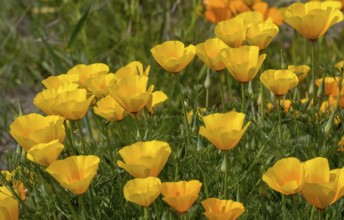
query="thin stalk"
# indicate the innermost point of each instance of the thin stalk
(146, 214)
(262, 102)
(107, 131)
(295, 207)
(70, 206)
(207, 98)
(279, 119)
(225, 181)
(221, 75)
(138, 133)
(70, 133)
(81, 206)
(81, 136)
(88, 125)
(283, 207)
(312, 213)
(313, 73)
(186, 125)
(243, 98)
(229, 84)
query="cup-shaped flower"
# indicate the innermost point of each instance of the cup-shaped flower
(57, 81)
(144, 159)
(8, 205)
(180, 195)
(131, 92)
(251, 17)
(232, 32)
(312, 19)
(142, 191)
(109, 109)
(45, 153)
(209, 53)
(217, 209)
(279, 82)
(173, 56)
(286, 176)
(261, 34)
(330, 85)
(75, 173)
(243, 63)
(97, 85)
(67, 101)
(224, 130)
(301, 71)
(272, 13)
(322, 186)
(155, 99)
(88, 71)
(32, 129)
(217, 10)
(133, 68)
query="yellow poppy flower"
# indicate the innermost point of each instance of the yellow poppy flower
(131, 92)
(217, 10)
(209, 53)
(156, 98)
(133, 68)
(279, 82)
(286, 176)
(57, 81)
(109, 109)
(88, 71)
(331, 85)
(272, 13)
(67, 101)
(180, 195)
(224, 130)
(45, 153)
(301, 71)
(312, 19)
(341, 144)
(216, 209)
(144, 159)
(173, 56)
(251, 17)
(75, 173)
(9, 207)
(98, 85)
(232, 32)
(243, 63)
(322, 186)
(32, 129)
(261, 34)
(142, 191)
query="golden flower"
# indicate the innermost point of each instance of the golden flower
(180, 195)
(322, 186)
(286, 104)
(173, 56)
(251, 17)
(45, 153)
(286, 176)
(131, 92)
(232, 32)
(339, 65)
(57, 81)
(156, 98)
(312, 19)
(88, 71)
(8, 205)
(261, 34)
(144, 159)
(32, 129)
(330, 85)
(217, 10)
(279, 82)
(142, 191)
(75, 173)
(217, 209)
(133, 68)
(301, 71)
(7, 174)
(341, 144)
(109, 109)
(67, 101)
(209, 53)
(97, 85)
(243, 63)
(272, 13)
(224, 130)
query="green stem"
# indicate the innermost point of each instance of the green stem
(225, 181)
(283, 207)
(70, 206)
(313, 73)
(70, 133)
(138, 133)
(243, 98)
(207, 98)
(88, 125)
(221, 75)
(107, 131)
(81, 136)
(295, 206)
(229, 84)
(186, 125)
(146, 215)
(81, 206)
(262, 101)
(279, 120)
(312, 213)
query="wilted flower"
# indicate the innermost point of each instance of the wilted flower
(67, 101)
(109, 109)
(243, 63)
(224, 130)
(88, 71)
(142, 191)
(322, 186)
(232, 32)
(180, 195)
(32, 129)
(287, 176)
(144, 159)
(279, 82)
(300, 71)
(261, 34)
(209, 53)
(173, 56)
(216, 209)
(131, 92)
(312, 19)
(8, 205)
(45, 153)
(156, 98)
(75, 173)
